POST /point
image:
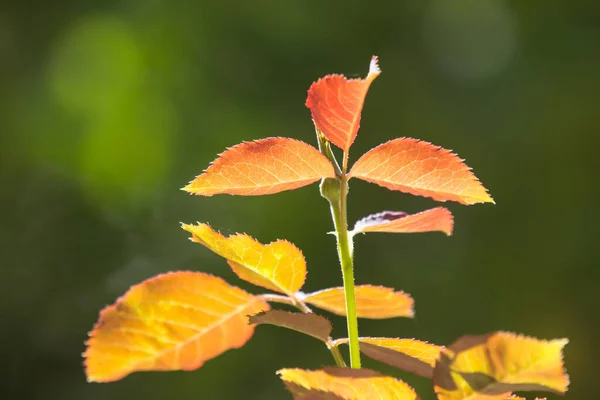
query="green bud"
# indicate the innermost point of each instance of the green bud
(330, 189)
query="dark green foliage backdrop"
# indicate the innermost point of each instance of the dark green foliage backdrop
(108, 108)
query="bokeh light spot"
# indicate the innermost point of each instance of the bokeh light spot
(97, 63)
(125, 156)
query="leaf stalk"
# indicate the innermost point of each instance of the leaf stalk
(332, 346)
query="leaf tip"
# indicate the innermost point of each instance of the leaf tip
(187, 227)
(187, 188)
(374, 69)
(195, 188)
(253, 319)
(450, 228)
(485, 198)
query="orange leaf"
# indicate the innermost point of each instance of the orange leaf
(174, 321)
(407, 354)
(420, 168)
(345, 384)
(310, 324)
(265, 166)
(375, 302)
(336, 103)
(436, 219)
(495, 365)
(278, 266)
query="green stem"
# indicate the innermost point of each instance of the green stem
(337, 356)
(345, 249)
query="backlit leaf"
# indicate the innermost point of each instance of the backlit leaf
(278, 266)
(336, 103)
(375, 302)
(310, 324)
(420, 168)
(436, 219)
(407, 354)
(345, 384)
(495, 365)
(262, 167)
(174, 321)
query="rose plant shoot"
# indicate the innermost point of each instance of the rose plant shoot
(180, 320)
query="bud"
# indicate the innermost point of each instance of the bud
(330, 189)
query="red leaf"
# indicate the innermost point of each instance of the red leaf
(436, 219)
(420, 168)
(174, 321)
(336, 103)
(262, 167)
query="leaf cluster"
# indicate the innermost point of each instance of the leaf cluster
(180, 320)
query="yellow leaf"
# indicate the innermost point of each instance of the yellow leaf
(174, 321)
(344, 384)
(278, 266)
(407, 354)
(495, 365)
(375, 302)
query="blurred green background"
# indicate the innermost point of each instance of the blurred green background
(108, 108)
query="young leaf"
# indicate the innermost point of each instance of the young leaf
(277, 266)
(174, 321)
(265, 166)
(345, 384)
(375, 302)
(420, 168)
(310, 324)
(436, 219)
(495, 365)
(406, 354)
(336, 103)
